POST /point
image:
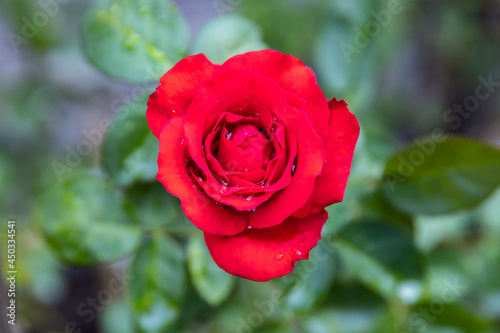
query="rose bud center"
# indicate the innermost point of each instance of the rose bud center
(244, 148)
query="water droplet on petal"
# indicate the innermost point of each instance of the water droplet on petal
(223, 189)
(246, 169)
(279, 256)
(182, 141)
(249, 227)
(200, 179)
(249, 198)
(293, 167)
(179, 176)
(297, 252)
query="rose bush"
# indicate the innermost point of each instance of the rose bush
(254, 152)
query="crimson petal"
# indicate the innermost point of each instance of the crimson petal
(263, 254)
(330, 185)
(205, 213)
(177, 90)
(290, 74)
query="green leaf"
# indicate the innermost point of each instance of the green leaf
(211, 282)
(130, 150)
(345, 320)
(431, 231)
(157, 287)
(446, 314)
(83, 220)
(381, 256)
(222, 38)
(351, 307)
(135, 40)
(117, 318)
(342, 213)
(312, 278)
(439, 175)
(153, 206)
(376, 205)
(294, 30)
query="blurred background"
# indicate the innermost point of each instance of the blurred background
(406, 69)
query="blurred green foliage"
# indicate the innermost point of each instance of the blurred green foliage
(136, 35)
(413, 247)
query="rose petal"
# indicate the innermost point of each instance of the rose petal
(198, 207)
(263, 254)
(291, 74)
(201, 118)
(233, 158)
(177, 90)
(344, 133)
(219, 80)
(310, 159)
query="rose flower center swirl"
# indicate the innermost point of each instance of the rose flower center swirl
(246, 158)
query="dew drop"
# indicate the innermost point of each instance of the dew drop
(279, 256)
(194, 186)
(249, 227)
(186, 161)
(249, 198)
(293, 167)
(200, 179)
(246, 169)
(182, 141)
(179, 176)
(223, 189)
(297, 252)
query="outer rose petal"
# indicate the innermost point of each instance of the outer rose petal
(198, 207)
(263, 254)
(177, 90)
(342, 138)
(291, 74)
(158, 110)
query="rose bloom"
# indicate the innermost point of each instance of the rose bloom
(254, 152)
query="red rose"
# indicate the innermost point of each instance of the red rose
(254, 152)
